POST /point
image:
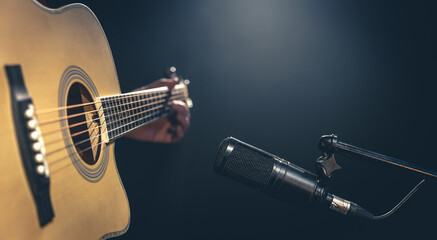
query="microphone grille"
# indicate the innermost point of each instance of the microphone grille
(244, 163)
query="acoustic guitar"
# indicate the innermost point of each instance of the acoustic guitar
(61, 110)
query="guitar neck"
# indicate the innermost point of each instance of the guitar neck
(126, 112)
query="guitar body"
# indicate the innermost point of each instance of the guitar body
(88, 202)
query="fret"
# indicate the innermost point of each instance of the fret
(107, 108)
(121, 115)
(125, 111)
(165, 105)
(108, 111)
(126, 119)
(129, 114)
(142, 102)
(134, 110)
(132, 115)
(139, 110)
(156, 105)
(147, 107)
(118, 115)
(108, 115)
(115, 114)
(152, 106)
(161, 105)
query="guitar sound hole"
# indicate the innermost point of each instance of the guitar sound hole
(84, 123)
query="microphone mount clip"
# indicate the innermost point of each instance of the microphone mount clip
(326, 164)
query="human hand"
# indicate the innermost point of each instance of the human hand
(169, 129)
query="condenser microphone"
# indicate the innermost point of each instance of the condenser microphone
(268, 173)
(279, 178)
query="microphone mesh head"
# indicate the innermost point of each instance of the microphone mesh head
(244, 163)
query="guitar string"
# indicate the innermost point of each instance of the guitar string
(89, 139)
(85, 140)
(91, 120)
(121, 96)
(100, 109)
(99, 118)
(52, 163)
(54, 120)
(178, 94)
(100, 126)
(112, 107)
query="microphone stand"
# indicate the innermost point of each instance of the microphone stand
(329, 145)
(326, 165)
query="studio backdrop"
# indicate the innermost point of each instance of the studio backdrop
(278, 75)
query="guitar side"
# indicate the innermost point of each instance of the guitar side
(47, 42)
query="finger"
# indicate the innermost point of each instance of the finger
(184, 120)
(180, 107)
(182, 113)
(159, 130)
(165, 133)
(179, 133)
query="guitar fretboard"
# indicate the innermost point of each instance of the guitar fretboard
(127, 112)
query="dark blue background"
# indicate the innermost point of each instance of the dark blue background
(279, 74)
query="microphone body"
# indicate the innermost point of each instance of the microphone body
(268, 173)
(278, 177)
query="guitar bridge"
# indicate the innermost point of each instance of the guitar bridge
(31, 144)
